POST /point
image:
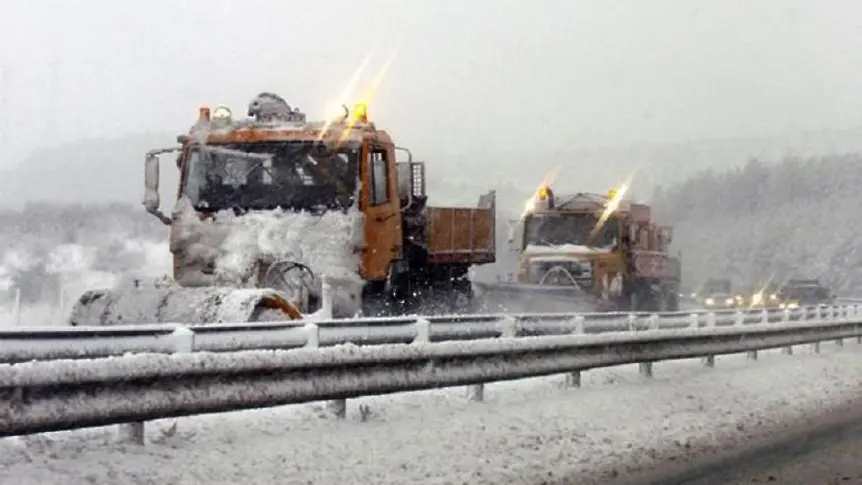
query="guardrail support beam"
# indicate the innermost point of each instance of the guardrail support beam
(476, 392)
(709, 361)
(134, 433)
(573, 379)
(338, 408)
(752, 355)
(815, 347)
(645, 369)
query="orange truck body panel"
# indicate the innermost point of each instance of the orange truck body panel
(460, 235)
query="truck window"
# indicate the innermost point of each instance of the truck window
(379, 172)
(192, 186)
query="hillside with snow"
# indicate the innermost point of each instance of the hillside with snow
(52, 253)
(789, 219)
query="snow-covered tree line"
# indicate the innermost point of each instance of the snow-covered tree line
(795, 218)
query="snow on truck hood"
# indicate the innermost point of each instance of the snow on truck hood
(325, 243)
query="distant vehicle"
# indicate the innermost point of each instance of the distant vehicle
(805, 292)
(763, 296)
(718, 293)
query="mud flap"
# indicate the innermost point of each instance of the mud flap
(503, 297)
(177, 304)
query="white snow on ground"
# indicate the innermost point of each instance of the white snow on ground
(526, 432)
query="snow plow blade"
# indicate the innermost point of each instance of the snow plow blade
(503, 297)
(177, 304)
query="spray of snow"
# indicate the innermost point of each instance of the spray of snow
(236, 245)
(563, 249)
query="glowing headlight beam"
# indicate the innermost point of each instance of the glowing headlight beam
(533, 201)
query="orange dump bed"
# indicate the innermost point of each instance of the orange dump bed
(462, 235)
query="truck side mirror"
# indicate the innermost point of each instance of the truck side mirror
(151, 187)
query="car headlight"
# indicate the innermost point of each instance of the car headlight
(773, 297)
(729, 301)
(792, 305)
(709, 301)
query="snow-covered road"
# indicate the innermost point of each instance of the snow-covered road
(530, 431)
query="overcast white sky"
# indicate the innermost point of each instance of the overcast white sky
(469, 75)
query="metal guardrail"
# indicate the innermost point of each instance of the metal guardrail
(46, 343)
(43, 396)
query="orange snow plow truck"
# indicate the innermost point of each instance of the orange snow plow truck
(588, 252)
(278, 217)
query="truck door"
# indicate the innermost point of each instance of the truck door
(382, 212)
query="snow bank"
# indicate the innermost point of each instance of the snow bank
(526, 432)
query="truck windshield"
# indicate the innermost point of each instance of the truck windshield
(288, 175)
(806, 294)
(560, 229)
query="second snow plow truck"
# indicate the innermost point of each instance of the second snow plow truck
(588, 252)
(272, 208)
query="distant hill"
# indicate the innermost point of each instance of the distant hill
(86, 171)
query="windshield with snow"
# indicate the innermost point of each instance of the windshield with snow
(288, 175)
(560, 229)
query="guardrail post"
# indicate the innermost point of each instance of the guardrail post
(337, 407)
(709, 360)
(423, 331)
(325, 298)
(815, 347)
(579, 324)
(508, 327)
(312, 337)
(832, 315)
(645, 369)
(739, 318)
(654, 322)
(803, 314)
(817, 314)
(785, 318)
(183, 340)
(854, 313)
(693, 321)
(764, 316)
(632, 321)
(573, 379)
(476, 392)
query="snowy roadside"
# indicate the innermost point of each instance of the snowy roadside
(526, 432)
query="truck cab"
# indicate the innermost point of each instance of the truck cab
(358, 215)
